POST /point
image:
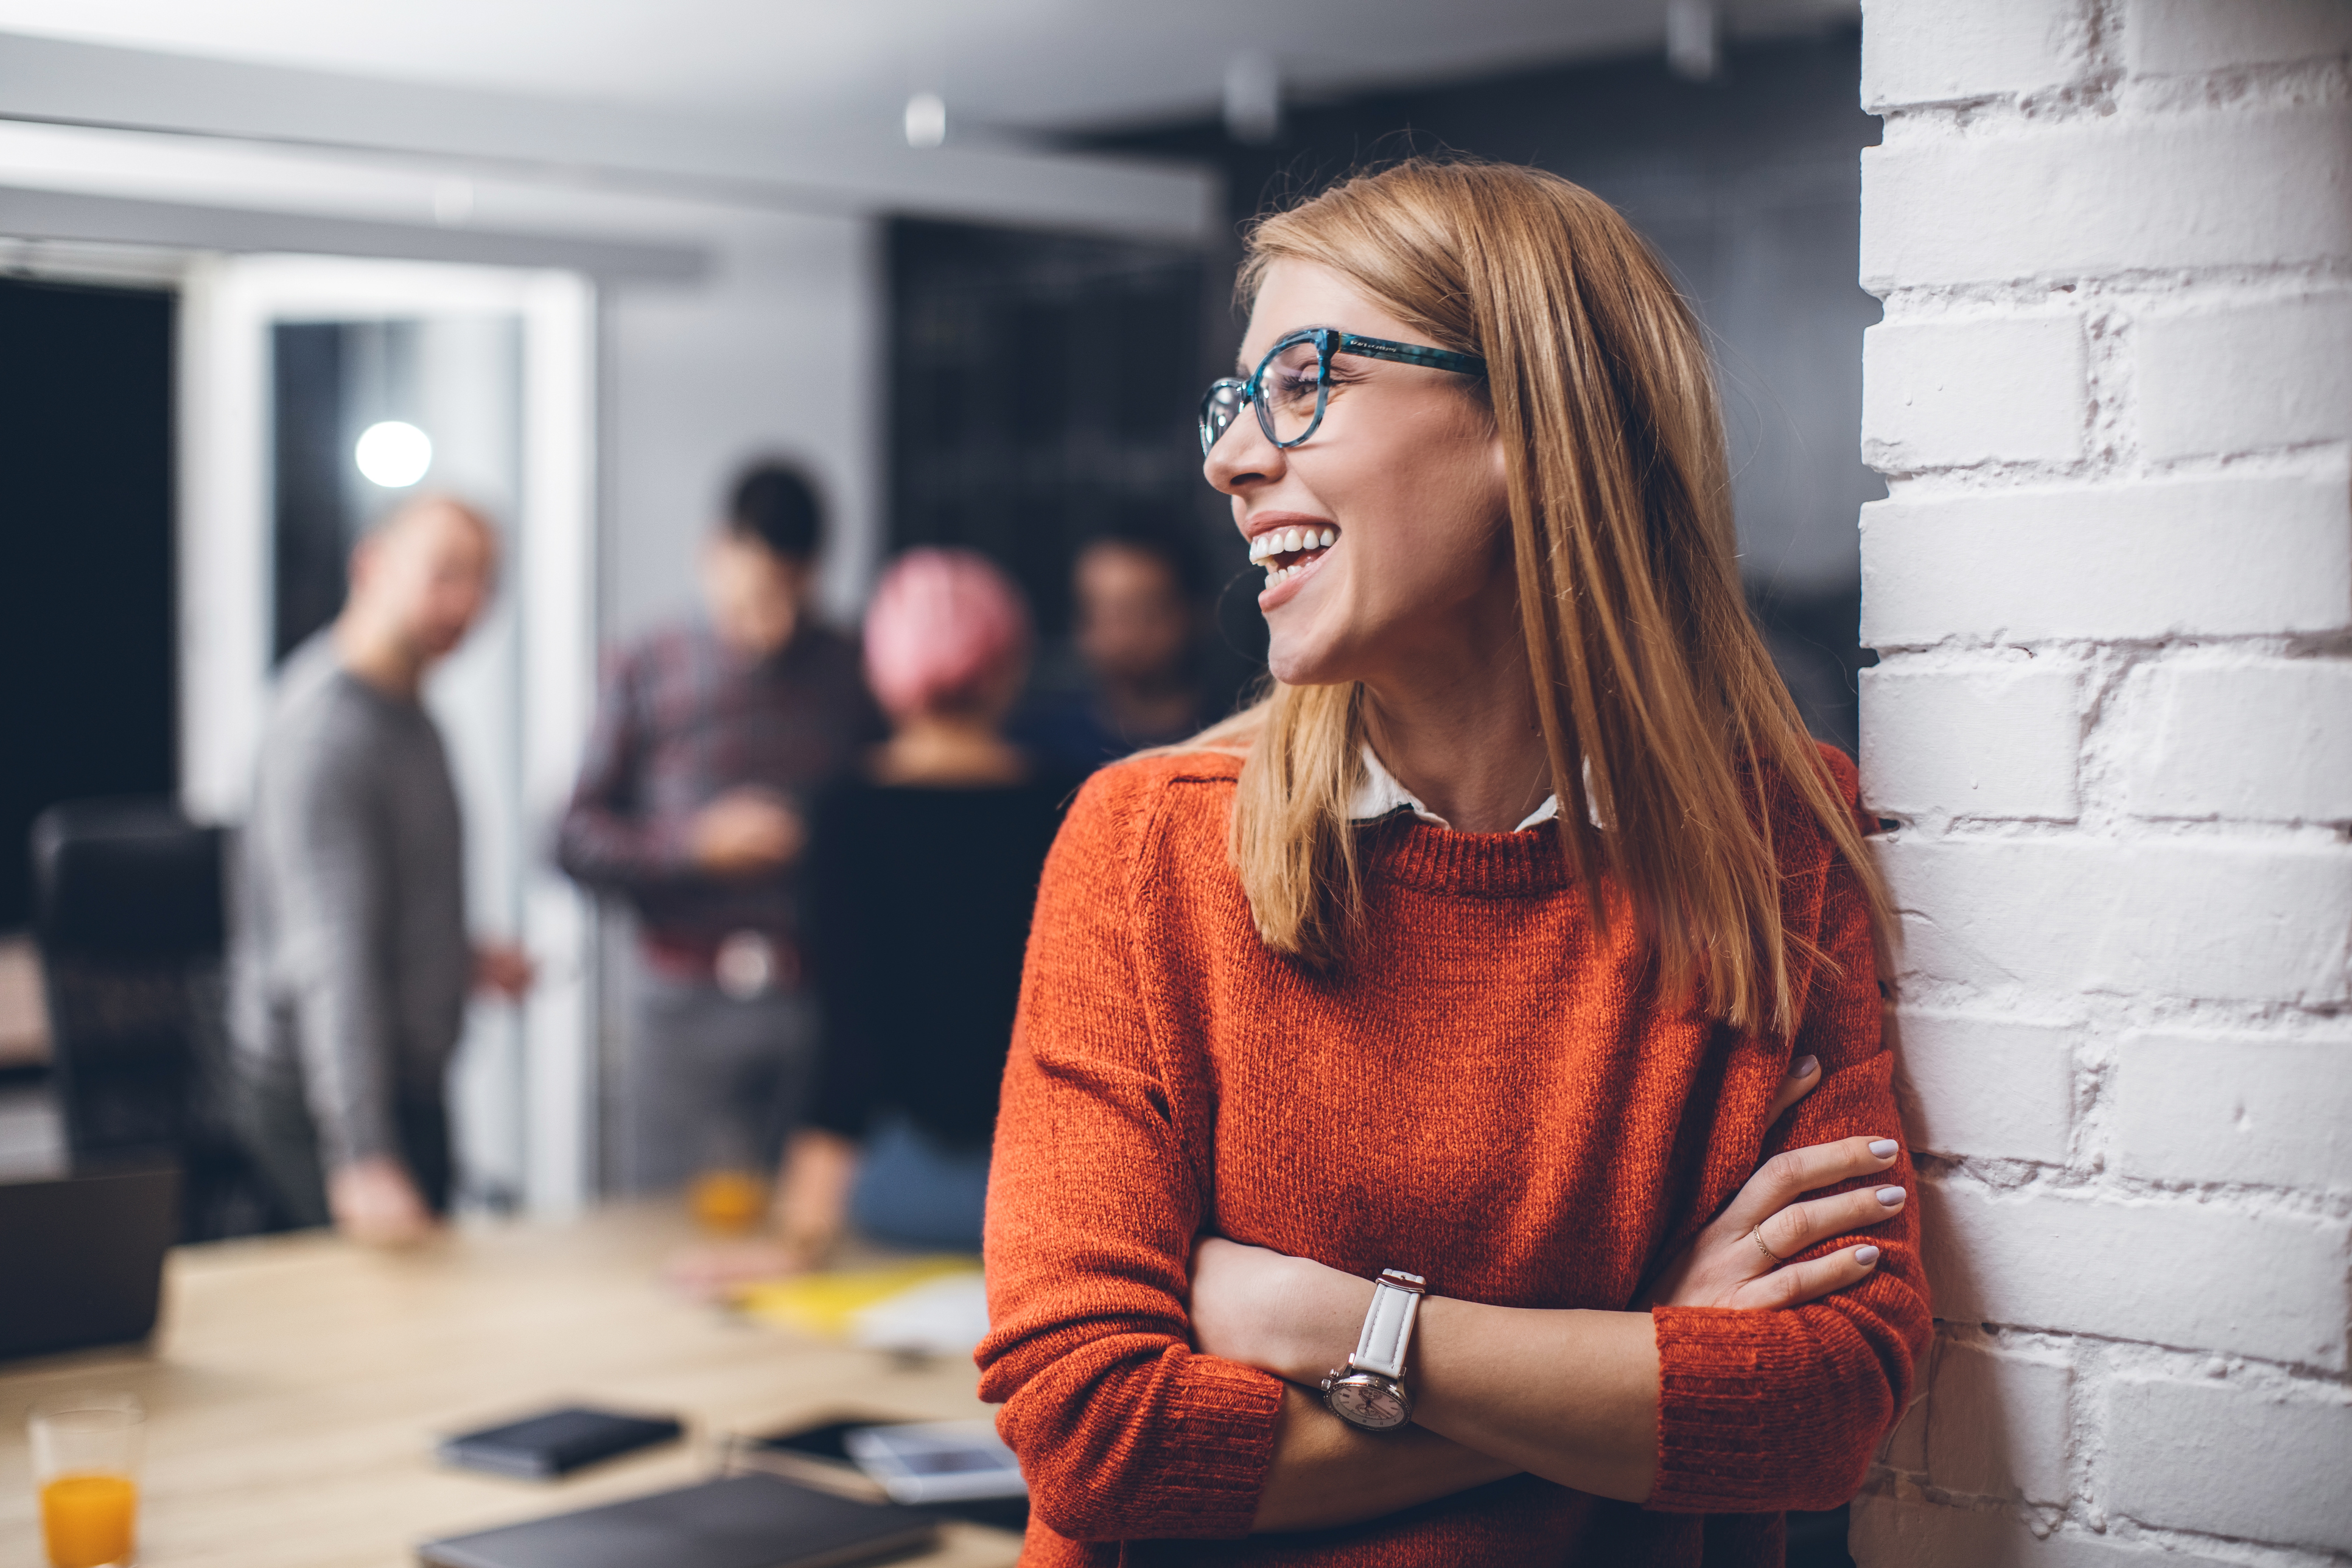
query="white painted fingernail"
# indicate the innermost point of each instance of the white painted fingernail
(1890, 1196)
(1883, 1147)
(1804, 1067)
(1865, 1256)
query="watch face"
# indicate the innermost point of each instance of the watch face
(1366, 1402)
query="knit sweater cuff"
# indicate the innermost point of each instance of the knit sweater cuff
(1721, 1404)
(1224, 1415)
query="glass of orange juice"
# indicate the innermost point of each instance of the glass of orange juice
(729, 1202)
(86, 1463)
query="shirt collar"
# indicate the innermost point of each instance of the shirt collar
(1380, 795)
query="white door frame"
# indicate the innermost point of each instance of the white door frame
(224, 544)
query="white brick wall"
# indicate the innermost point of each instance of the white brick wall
(2200, 1110)
(2111, 587)
(2236, 1460)
(1996, 1088)
(2239, 555)
(1999, 1423)
(2286, 363)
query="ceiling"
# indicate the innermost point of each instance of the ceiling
(844, 71)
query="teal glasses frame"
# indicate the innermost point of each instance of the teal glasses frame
(1222, 404)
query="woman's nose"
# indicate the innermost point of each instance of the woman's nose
(1241, 455)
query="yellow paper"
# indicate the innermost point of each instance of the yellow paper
(824, 1304)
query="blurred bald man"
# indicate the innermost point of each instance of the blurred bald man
(350, 962)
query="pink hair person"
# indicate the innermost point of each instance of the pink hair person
(945, 627)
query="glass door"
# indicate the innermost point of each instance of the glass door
(327, 392)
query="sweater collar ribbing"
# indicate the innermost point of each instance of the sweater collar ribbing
(1401, 849)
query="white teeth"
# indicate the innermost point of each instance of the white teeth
(1290, 540)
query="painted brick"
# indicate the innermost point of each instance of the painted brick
(2227, 1459)
(2172, 38)
(1998, 1424)
(1928, 51)
(2193, 917)
(1994, 740)
(2188, 1275)
(1944, 394)
(1905, 1447)
(2206, 1108)
(2177, 201)
(2245, 379)
(2209, 557)
(1993, 1088)
(2110, 196)
(1889, 1533)
(2263, 739)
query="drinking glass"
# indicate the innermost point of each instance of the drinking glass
(86, 1466)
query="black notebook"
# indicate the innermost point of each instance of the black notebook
(542, 1447)
(743, 1522)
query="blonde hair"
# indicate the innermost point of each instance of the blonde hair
(1659, 708)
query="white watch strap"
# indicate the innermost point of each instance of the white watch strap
(1388, 1326)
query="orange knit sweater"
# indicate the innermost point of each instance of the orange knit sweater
(1485, 1094)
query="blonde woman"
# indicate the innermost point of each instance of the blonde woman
(1382, 1167)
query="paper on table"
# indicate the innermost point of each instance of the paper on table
(829, 1304)
(944, 1316)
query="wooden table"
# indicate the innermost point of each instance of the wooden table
(297, 1385)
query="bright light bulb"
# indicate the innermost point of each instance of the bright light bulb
(393, 454)
(927, 120)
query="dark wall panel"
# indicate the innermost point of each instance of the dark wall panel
(1043, 389)
(87, 639)
(1749, 186)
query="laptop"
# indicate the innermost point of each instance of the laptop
(81, 1259)
(742, 1521)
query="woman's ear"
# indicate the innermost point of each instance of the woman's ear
(1498, 468)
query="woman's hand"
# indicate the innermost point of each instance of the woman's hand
(1293, 1317)
(1298, 1318)
(1736, 1260)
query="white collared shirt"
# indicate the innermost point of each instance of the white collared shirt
(1382, 795)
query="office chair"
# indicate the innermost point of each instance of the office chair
(128, 913)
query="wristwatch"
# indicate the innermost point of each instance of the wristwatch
(1369, 1390)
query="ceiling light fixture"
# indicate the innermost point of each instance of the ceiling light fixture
(393, 454)
(927, 120)
(1253, 98)
(1695, 39)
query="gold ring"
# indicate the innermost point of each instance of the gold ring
(1757, 1236)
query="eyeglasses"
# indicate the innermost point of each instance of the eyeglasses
(1293, 382)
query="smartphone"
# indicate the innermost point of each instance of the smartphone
(936, 1461)
(818, 1455)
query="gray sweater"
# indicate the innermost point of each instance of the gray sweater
(349, 963)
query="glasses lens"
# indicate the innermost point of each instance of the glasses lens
(1288, 390)
(1219, 410)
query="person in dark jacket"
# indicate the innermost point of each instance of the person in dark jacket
(921, 872)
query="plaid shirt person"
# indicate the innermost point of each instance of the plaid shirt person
(681, 721)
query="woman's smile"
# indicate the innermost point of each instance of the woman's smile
(1290, 548)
